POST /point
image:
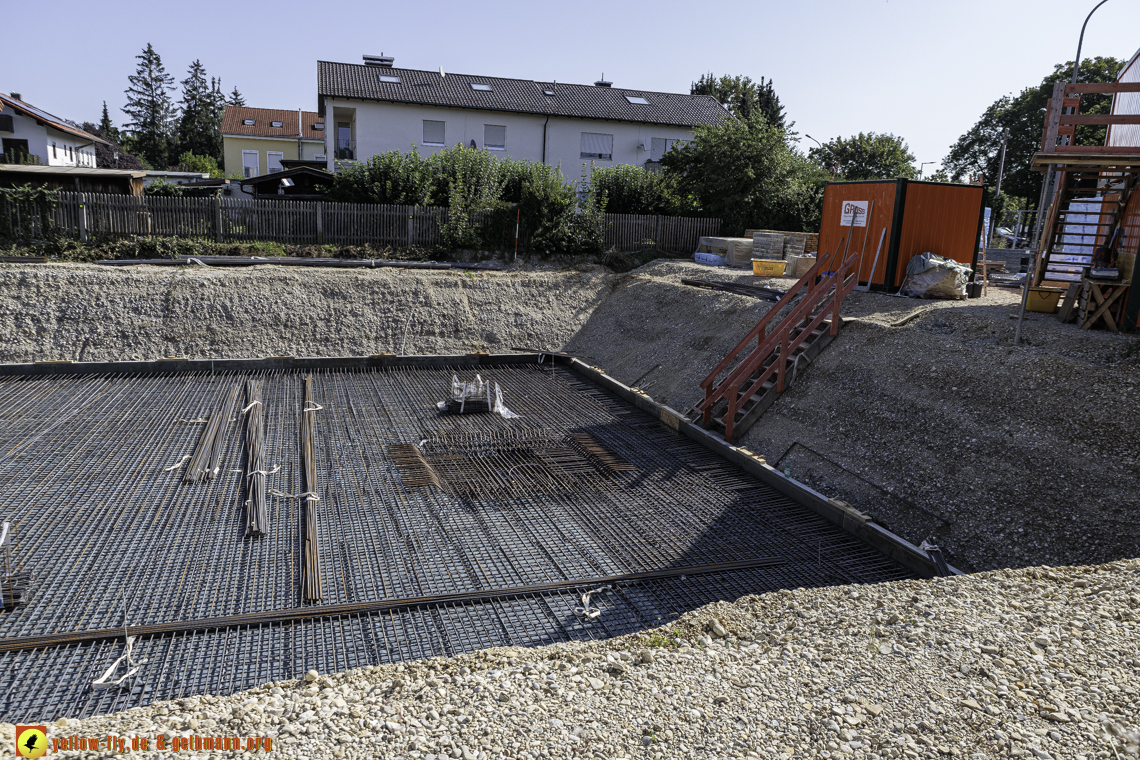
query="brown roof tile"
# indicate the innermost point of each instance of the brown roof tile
(263, 118)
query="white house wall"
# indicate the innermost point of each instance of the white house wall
(41, 137)
(381, 127)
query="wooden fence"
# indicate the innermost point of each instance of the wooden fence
(84, 216)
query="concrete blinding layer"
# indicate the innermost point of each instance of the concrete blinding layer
(587, 482)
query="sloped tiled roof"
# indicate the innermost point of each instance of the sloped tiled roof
(349, 80)
(263, 118)
(54, 122)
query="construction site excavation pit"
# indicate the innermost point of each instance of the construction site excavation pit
(435, 533)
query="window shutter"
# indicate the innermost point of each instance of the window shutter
(433, 132)
(494, 136)
(598, 146)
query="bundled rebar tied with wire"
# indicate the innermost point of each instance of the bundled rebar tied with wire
(256, 517)
(206, 461)
(311, 570)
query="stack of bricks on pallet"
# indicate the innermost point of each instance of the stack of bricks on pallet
(810, 240)
(767, 245)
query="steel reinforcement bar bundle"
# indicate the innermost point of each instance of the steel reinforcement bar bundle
(311, 574)
(256, 520)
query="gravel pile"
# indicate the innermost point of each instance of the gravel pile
(1038, 662)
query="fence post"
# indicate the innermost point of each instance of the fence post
(82, 218)
(410, 225)
(320, 223)
(218, 218)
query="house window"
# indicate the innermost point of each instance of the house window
(597, 146)
(659, 146)
(250, 166)
(389, 79)
(344, 146)
(53, 155)
(433, 132)
(481, 87)
(494, 137)
(637, 100)
(273, 160)
(247, 122)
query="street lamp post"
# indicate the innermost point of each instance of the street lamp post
(1001, 164)
(1081, 41)
(923, 164)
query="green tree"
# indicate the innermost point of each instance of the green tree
(106, 128)
(748, 173)
(151, 109)
(625, 189)
(189, 162)
(867, 156)
(978, 152)
(199, 127)
(235, 98)
(742, 96)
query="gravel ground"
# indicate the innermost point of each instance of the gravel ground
(1038, 662)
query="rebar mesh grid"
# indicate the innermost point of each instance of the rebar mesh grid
(108, 531)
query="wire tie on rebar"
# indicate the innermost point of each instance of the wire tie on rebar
(311, 407)
(249, 406)
(183, 419)
(586, 611)
(263, 472)
(177, 464)
(311, 495)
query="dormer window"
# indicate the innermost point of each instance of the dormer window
(390, 79)
(481, 87)
(276, 124)
(247, 122)
(637, 100)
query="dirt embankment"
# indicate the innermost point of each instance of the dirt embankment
(921, 413)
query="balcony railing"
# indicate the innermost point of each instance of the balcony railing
(346, 150)
(1059, 125)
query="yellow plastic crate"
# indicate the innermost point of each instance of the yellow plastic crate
(1043, 299)
(768, 268)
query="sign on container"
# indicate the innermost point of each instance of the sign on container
(854, 214)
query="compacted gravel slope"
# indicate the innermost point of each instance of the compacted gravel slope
(1038, 662)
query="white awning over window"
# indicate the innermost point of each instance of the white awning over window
(597, 146)
(494, 137)
(433, 132)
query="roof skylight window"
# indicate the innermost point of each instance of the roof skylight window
(275, 124)
(548, 92)
(247, 122)
(389, 78)
(480, 86)
(319, 125)
(637, 100)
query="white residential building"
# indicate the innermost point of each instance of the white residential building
(27, 131)
(374, 107)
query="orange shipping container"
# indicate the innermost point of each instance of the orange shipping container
(909, 217)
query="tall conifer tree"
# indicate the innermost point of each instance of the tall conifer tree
(151, 109)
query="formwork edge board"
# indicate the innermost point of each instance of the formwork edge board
(874, 535)
(265, 363)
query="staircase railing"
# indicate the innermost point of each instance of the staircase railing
(834, 285)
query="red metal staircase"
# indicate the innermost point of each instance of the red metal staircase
(751, 384)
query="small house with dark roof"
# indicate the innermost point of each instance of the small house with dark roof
(31, 135)
(375, 107)
(256, 140)
(298, 183)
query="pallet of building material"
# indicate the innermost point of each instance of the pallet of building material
(767, 245)
(736, 251)
(794, 245)
(811, 239)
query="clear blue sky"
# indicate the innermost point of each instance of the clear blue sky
(922, 70)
